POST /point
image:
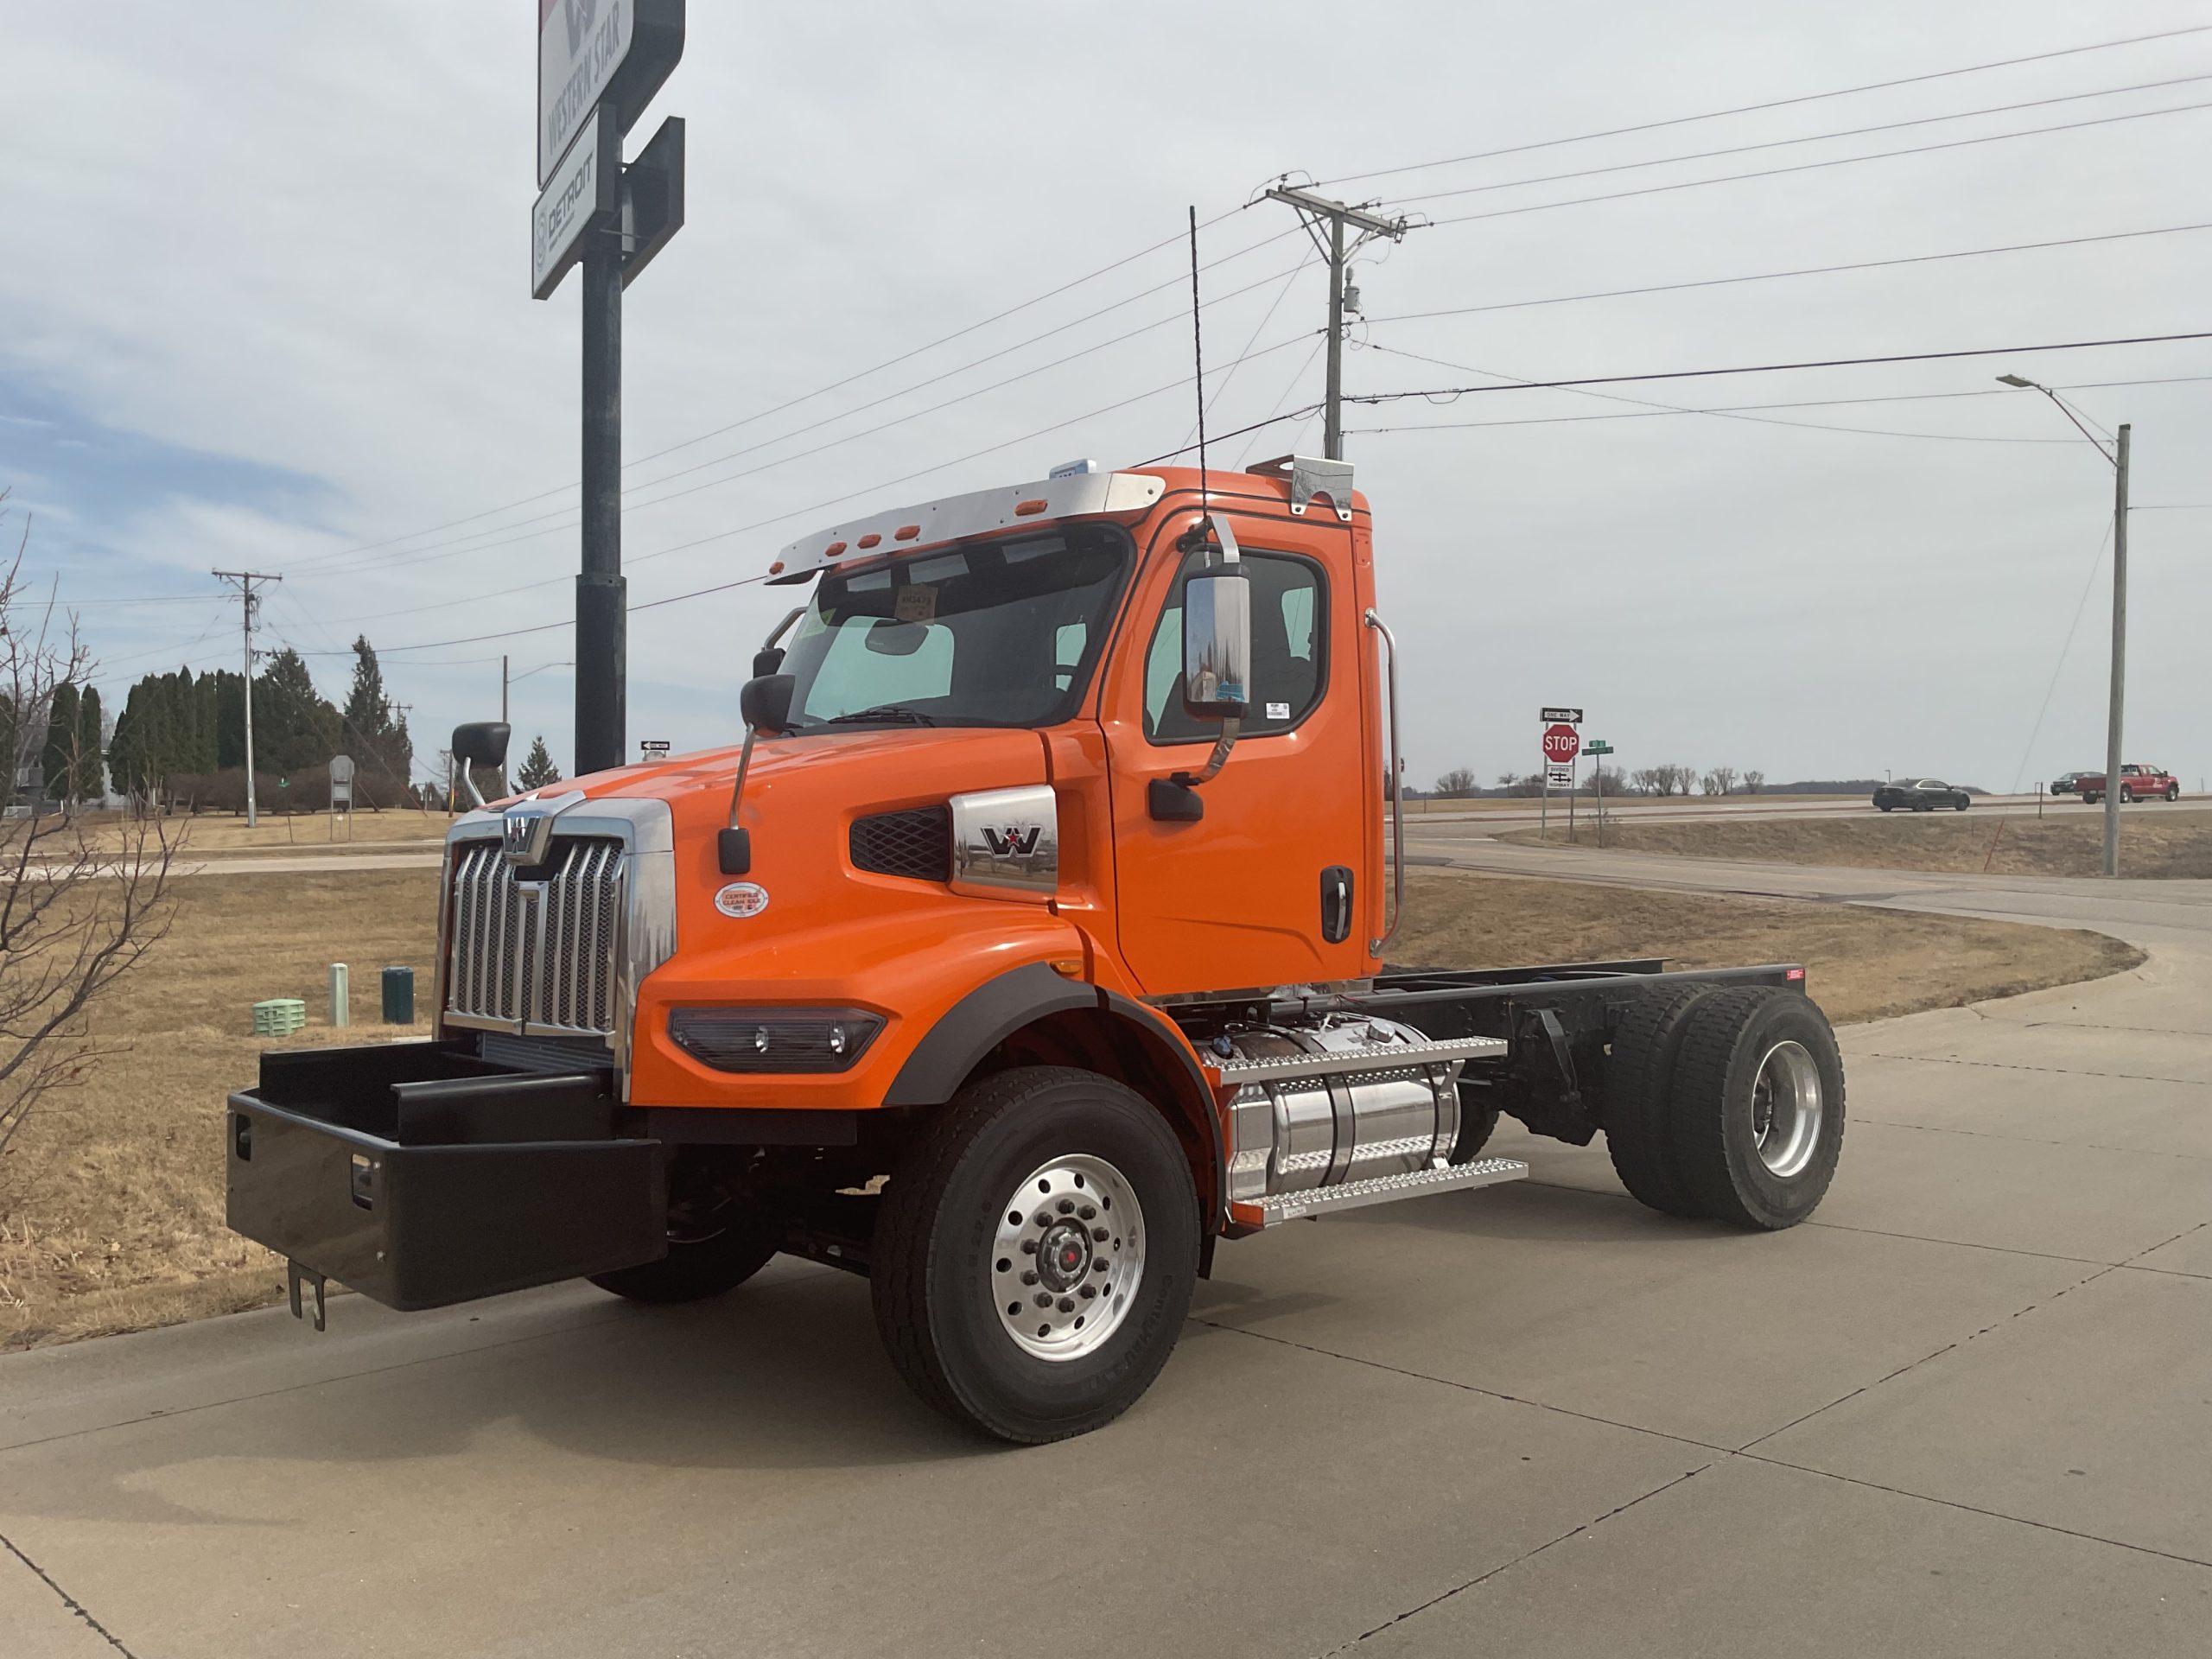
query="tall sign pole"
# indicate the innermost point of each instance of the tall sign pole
(599, 64)
(2118, 694)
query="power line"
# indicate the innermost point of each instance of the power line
(1809, 139)
(1810, 167)
(1777, 275)
(423, 554)
(1773, 103)
(1445, 392)
(850, 379)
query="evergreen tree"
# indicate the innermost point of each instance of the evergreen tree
(368, 711)
(292, 726)
(90, 782)
(537, 767)
(59, 761)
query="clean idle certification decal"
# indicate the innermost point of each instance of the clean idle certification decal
(741, 900)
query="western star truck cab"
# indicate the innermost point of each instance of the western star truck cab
(1034, 941)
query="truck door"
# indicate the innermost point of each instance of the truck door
(1260, 891)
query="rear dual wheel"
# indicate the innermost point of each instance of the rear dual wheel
(1726, 1103)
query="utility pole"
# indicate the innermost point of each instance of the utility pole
(243, 581)
(2118, 653)
(1314, 212)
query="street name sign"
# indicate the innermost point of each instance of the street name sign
(582, 198)
(1597, 746)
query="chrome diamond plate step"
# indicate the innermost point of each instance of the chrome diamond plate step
(1383, 1189)
(1383, 1056)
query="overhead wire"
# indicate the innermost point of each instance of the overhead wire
(1808, 138)
(1811, 167)
(1772, 104)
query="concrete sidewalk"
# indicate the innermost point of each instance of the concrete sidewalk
(1965, 1411)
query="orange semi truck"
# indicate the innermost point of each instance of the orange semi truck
(1034, 941)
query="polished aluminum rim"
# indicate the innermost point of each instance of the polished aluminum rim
(1786, 1109)
(1068, 1257)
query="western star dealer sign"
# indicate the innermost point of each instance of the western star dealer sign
(581, 45)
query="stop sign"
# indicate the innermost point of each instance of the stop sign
(1561, 744)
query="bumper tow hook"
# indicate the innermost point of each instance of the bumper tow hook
(294, 1275)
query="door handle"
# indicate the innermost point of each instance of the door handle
(1336, 904)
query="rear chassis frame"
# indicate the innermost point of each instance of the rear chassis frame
(424, 1174)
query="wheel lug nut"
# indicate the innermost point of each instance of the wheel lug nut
(1044, 1300)
(1029, 1247)
(1088, 1212)
(1088, 1293)
(1030, 1277)
(1067, 1304)
(1099, 1234)
(1067, 1206)
(1044, 1217)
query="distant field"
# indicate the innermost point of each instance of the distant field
(213, 833)
(2155, 841)
(111, 1200)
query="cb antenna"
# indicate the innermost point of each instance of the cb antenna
(1198, 361)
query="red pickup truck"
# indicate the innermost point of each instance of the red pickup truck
(2136, 784)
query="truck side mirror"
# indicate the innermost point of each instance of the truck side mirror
(481, 743)
(1217, 644)
(764, 704)
(766, 661)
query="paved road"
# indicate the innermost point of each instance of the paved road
(1520, 815)
(1964, 1411)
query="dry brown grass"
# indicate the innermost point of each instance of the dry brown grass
(218, 834)
(111, 1201)
(112, 1197)
(1861, 964)
(2155, 841)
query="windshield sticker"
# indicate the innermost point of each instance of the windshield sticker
(916, 602)
(1278, 711)
(741, 900)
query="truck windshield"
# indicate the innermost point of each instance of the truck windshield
(1000, 634)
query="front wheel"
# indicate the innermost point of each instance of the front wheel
(2173, 791)
(1035, 1254)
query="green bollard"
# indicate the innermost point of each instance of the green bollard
(399, 996)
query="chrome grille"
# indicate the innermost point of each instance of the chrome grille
(536, 954)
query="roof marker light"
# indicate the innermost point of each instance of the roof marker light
(905, 532)
(777, 569)
(1023, 509)
(833, 550)
(870, 540)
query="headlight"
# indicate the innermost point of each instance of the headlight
(774, 1040)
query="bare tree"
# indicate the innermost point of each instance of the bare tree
(80, 903)
(1460, 781)
(1754, 782)
(1721, 780)
(1514, 783)
(1671, 780)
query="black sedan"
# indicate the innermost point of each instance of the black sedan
(1921, 795)
(2069, 783)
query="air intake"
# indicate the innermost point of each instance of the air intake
(916, 843)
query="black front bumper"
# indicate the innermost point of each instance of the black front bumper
(421, 1175)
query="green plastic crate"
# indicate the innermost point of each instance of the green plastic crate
(279, 1016)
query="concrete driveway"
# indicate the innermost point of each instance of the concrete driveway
(1967, 1410)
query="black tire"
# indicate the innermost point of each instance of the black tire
(1478, 1122)
(1960, 804)
(934, 1275)
(2173, 791)
(1734, 1034)
(2090, 797)
(1885, 806)
(696, 1268)
(1638, 1127)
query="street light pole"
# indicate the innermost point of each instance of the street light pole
(2117, 697)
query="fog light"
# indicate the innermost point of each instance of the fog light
(774, 1040)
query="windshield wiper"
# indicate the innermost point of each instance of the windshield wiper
(885, 711)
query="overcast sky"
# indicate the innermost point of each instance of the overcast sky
(265, 303)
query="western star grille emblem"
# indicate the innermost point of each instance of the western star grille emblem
(1014, 841)
(526, 837)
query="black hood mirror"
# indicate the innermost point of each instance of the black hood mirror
(764, 704)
